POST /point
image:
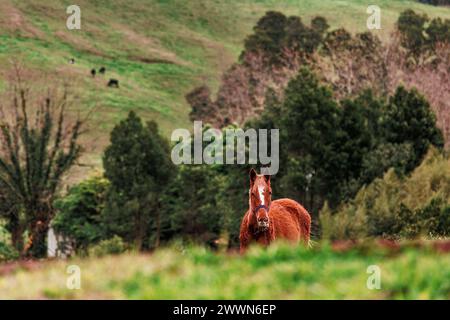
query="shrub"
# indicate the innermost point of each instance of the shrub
(397, 207)
(115, 245)
(411, 27)
(7, 252)
(79, 212)
(419, 35)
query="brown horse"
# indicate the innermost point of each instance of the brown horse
(268, 220)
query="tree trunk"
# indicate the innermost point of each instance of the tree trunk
(37, 241)
(158, 227)
(16, 230)
(139, 231)
(17, 239)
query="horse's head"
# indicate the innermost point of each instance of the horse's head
(260, 198)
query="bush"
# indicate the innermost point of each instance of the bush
(115, 245)
(419, 34)
(7, 252)
(397, 207)
(79, 213)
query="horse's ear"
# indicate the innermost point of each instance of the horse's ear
(252, 176)
(267, 178)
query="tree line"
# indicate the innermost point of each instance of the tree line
(331, 147)
(415, 54)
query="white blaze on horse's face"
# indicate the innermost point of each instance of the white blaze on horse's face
(260, 199)
(261, 194)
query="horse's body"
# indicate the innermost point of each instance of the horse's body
(267, 220)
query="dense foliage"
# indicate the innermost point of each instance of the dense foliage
(7, 252)
(274, 32)
(330, 148)
(419, 34)
(138, 165)
(80, 213)
(416, 55)
(397, 207)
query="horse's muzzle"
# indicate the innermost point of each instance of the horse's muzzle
(263, 225)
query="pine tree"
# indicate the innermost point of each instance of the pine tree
(308, 128)
(409, 119)
(138, 165)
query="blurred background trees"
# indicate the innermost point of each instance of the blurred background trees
(362, 125)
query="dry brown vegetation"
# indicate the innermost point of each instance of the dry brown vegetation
(348, 63)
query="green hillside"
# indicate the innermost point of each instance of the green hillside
(158, 50)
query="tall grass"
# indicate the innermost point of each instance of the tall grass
(279, 272)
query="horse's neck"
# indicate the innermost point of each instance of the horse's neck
(264, 238)
(251, 219)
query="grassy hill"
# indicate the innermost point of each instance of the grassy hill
(280, 272)
(159, 50)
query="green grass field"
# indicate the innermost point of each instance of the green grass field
(279, 272)
(159, 50)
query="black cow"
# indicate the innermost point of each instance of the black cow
(113, 83)
(93, 72)
(102, 70)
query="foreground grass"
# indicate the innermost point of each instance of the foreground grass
(280, 272)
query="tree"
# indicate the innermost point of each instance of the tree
(302, 38)
(79, 213)
(269, 34)
(308, 127)
(411, 27)
(138, 165)
(320, 24)
(38, 146)
(438, 31)
(419, 34)
(191, 203)
(409, 118)
(330, 149)
(354, 140)
(202, 106)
